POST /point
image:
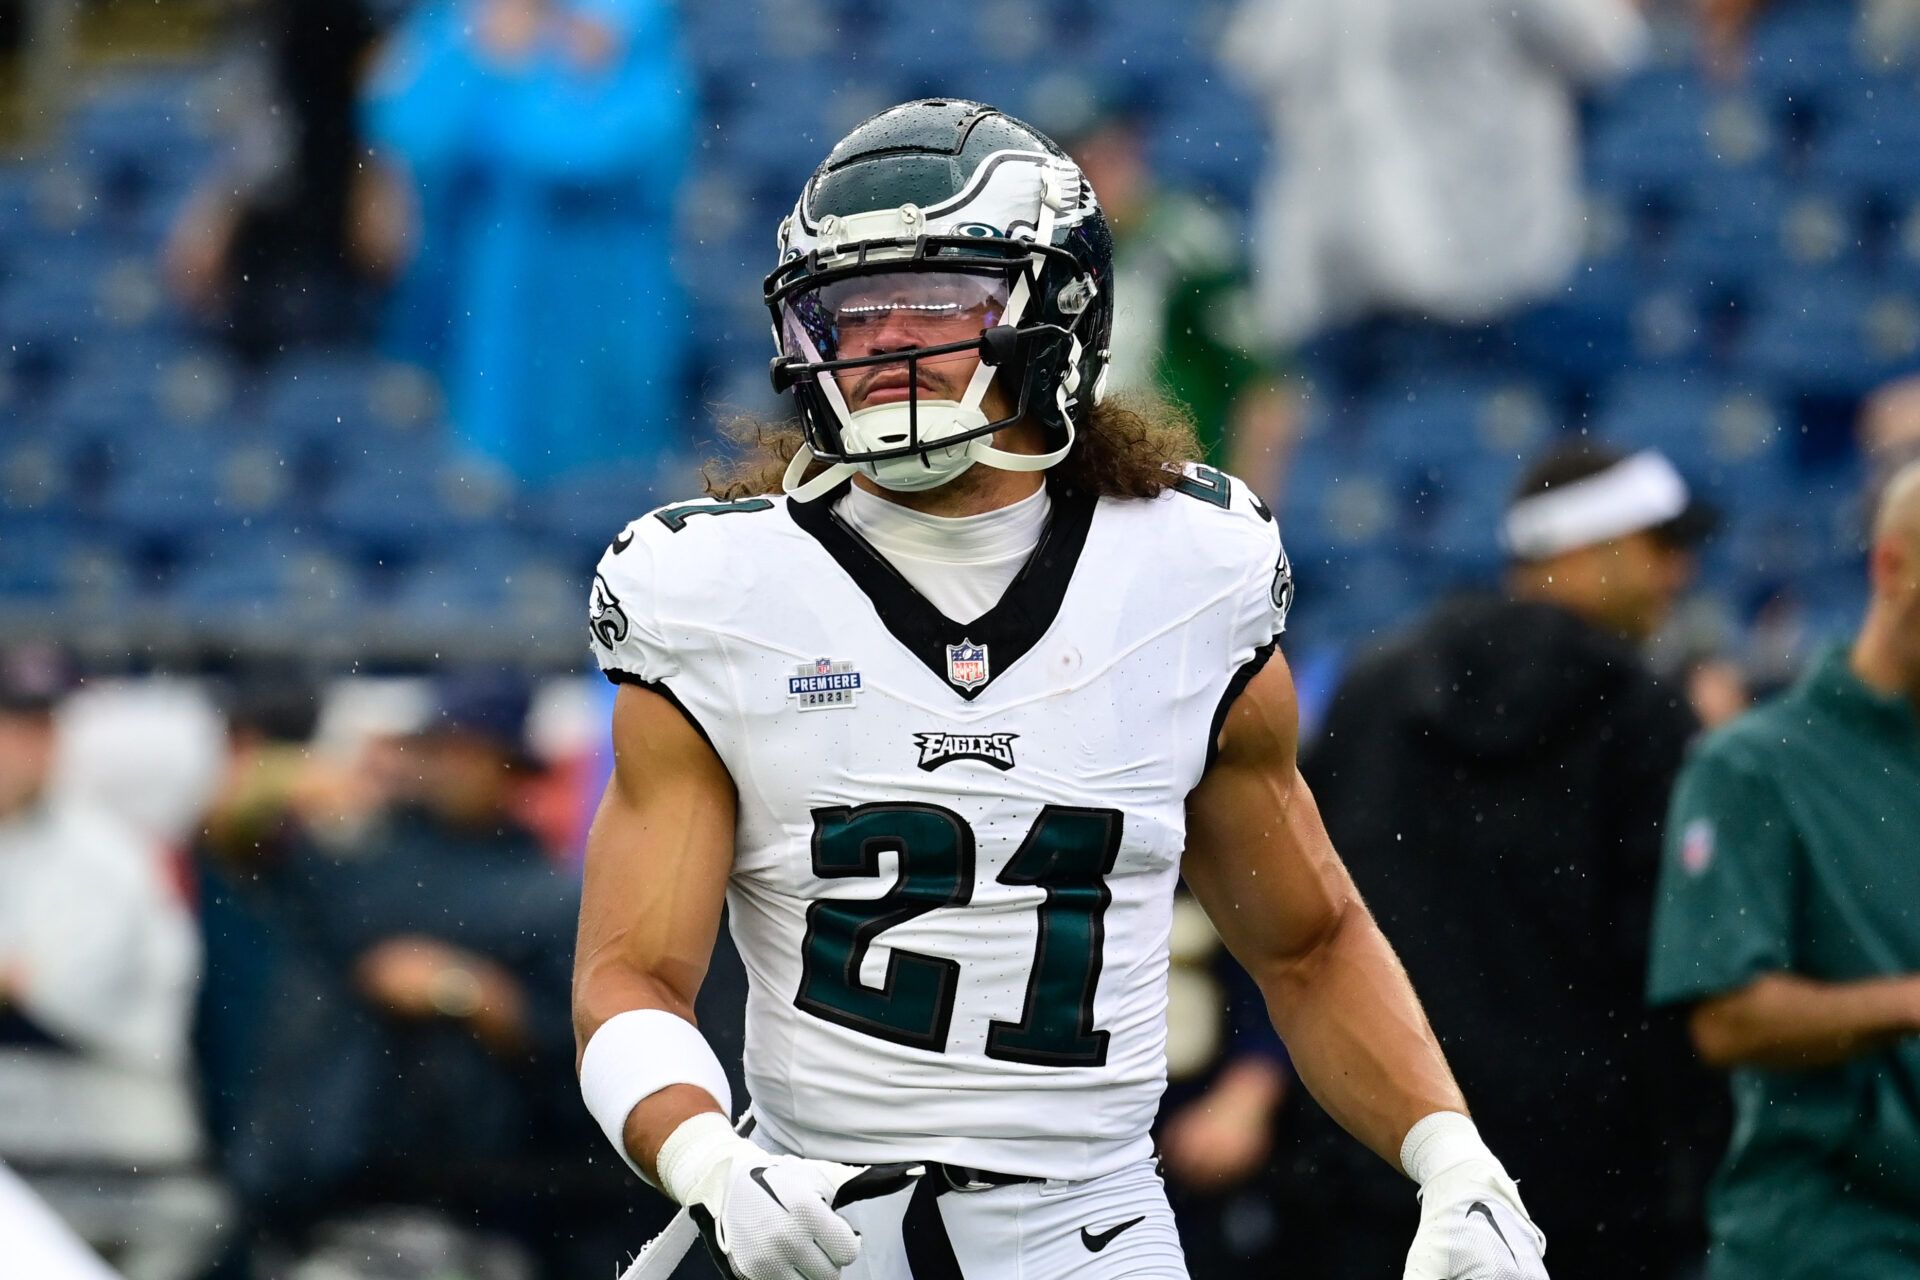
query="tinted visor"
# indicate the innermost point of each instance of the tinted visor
(875, 314)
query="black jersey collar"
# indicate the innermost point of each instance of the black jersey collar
(1007, 630)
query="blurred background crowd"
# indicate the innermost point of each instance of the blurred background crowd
(337, 336)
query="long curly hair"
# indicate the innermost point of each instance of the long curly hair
(1131, 447)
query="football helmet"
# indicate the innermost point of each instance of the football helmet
(935, 232)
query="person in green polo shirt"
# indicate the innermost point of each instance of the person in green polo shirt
(1789, 919)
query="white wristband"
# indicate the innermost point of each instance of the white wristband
(690, 1153)
(635, 1055)
(1440, 1142)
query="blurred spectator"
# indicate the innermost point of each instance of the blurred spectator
(1429, 151)
(270, 249)
(149, 752)
(358, 767)
(1227, 1075)
(1495, 779)
(1786, 923)
(98, 961)
(1723, 30)
(542, 142)
(419, 1041)
(1184, 324)
(1890, 432)
(39, 1243)
(253, 829)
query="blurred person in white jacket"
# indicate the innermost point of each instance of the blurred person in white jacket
(1428, 153)
(99, 959)
(39, 1243)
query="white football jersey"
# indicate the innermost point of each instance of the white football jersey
(957, 844)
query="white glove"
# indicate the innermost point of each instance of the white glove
(1472, 1224)
(767, 1216)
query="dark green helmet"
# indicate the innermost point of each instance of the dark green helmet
(938, 230)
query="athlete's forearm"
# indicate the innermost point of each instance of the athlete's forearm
(1357, 1036)
(603, 992)
(1782, 1020)
(604, 988)
(653, 1121)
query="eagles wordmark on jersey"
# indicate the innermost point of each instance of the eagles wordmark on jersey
(954, 949)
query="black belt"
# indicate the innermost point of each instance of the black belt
(958, 1177)
(929, 1251)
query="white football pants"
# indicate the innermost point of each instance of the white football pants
(1105, 1228)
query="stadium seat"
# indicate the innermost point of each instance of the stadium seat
(1456, 422)
(1874, 145)
(1583, 334)
(1831, 333)
(493, 594)
(182, 485)
(1211, 137)
(1806, 49)
(33, 552)
(1716, 431)
(267, 588)
(576, 516)
(389, 508)
(1661, 131)
(1727, 230)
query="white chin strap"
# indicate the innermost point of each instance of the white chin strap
(910, 474)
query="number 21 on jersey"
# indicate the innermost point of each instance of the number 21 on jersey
(1067, 853)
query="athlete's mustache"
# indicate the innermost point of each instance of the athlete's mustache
(886, 378)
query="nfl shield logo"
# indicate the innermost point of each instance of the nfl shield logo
(821, 666)
(967, 664)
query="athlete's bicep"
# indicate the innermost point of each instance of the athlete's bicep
(658, 857)
(1258, 858)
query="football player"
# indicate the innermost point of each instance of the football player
(942, 724)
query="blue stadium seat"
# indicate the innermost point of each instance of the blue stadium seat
(1726, 231)
(578, 515)
(1162, 42)
(36, 471)
(1831, 333)
(336, 414)
(1584, 333)
(180, 486)
(495, 591)
(1456, 423)
(1661, 131)
(126, 393)
(1806, 48)
(18, 217)
(1463, 535)
(1722, 434)
(1337, 502)
(279, 585)
(33, 554)
(150, 121)
(1354, 599)
(65, 566)
(1875, 145)
(1211, 136)
(393, 508)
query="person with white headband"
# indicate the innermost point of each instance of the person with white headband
(942, 699)
(1607, 536)
(1496, 778)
